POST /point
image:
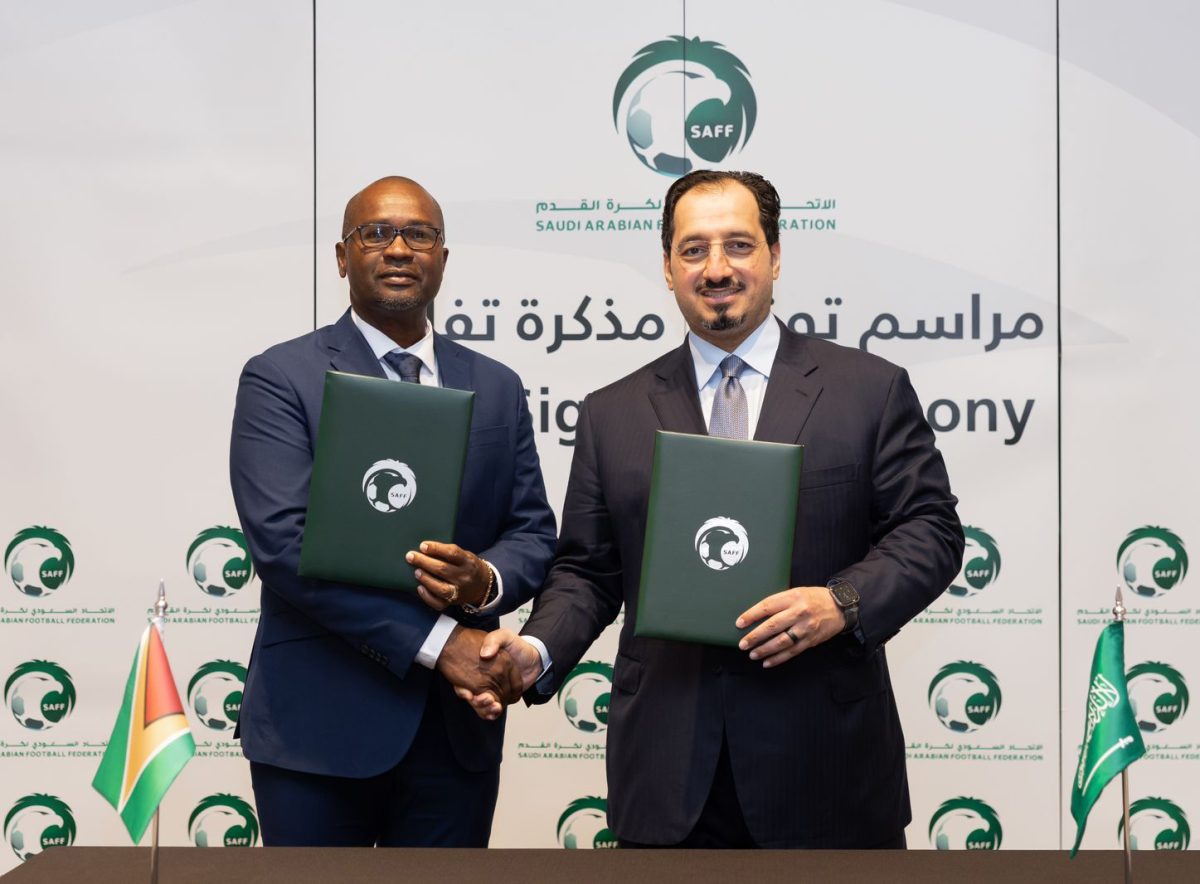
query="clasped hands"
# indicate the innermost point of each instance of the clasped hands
(788, 623)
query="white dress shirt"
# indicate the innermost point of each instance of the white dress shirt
(757, 351)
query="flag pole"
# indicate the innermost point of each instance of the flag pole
(154, 849)
(1119, 617)
(159, 620)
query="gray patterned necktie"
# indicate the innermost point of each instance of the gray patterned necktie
(730, 417)
(406, 365)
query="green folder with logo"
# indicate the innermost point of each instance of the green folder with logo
(719, 534)
(387, 473)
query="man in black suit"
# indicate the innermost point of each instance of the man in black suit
(793, 740)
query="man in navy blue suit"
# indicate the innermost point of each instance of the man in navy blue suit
(349, 716)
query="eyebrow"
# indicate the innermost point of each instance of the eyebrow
(408, 223)
(731, 235)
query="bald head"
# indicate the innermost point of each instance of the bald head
(351, 215)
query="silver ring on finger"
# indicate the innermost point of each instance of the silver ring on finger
(795, 639)
(452, 598)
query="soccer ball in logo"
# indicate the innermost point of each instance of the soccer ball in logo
(215, 694)
(584, 824)
(679, 96)
(39, 560)
(39, 694)
(223, 820)
(389, 485)
(219, 561)
(722, 543)
(585, 695)
(1158, 695)
(965, 824)
(964, 696)
(1152, 561)
(981, 563)
(37, 822)
(1156, 824)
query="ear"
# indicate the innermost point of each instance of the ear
(445, 256)
(667, 271)
(775, 260)
(340, 250)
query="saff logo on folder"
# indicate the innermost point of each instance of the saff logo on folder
(722, 542)
(389, 485)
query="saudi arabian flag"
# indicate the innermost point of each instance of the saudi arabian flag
(151, 741)
(1111, 740)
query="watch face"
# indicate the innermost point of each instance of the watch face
(844, 594)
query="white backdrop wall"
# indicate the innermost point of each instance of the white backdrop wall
(175, 175)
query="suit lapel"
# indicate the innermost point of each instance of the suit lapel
(453, 366)
(674, 396)
(349, 350)
(791, 392)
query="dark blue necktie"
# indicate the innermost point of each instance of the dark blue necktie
(406, 365)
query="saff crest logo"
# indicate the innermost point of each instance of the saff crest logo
(39, 560)
(223, 820)
(1158, 695)
(39, 694)
(981, 564)
(389, 485)
(1156, 824)
(1152, 561)
(585, 695)
(37, 822)
(721, 543)
(219, 561)
(680, 95)
(965, 824)
(584, 824)
(215, 694)
(964, 696)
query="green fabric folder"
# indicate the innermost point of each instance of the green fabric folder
(386, 475)
(718, 534)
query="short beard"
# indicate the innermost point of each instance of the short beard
(723, 321)
(397, 305)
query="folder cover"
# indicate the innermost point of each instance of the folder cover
(719, 534)
(387, 472)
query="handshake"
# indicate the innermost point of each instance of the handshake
(489, 670)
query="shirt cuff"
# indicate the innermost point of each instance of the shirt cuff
(542, 683)
(431, 648)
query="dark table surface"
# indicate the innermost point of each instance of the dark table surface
(185, 865)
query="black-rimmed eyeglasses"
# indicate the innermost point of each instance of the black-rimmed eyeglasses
(418, 237)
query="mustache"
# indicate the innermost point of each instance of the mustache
(727, 283)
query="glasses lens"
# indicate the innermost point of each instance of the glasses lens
(693, 251)
(739, 248)
(419, 237)
(377, 235)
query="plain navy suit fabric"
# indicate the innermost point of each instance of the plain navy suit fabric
(331, 687)
(815, 745)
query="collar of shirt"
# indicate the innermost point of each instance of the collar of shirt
(757, 351)
(381, 345)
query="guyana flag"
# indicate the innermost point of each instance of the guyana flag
(151, 741)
